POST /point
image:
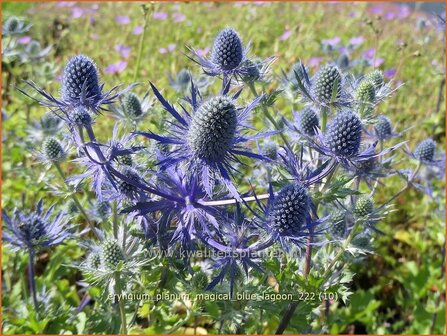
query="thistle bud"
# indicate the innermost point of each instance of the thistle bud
(383, 128)
(376, 77)
(425, 150)
(338, 219)
(132, 105)
(308, 122)
(53, 150)
(327, 81)
(111, 253)
(364, 206)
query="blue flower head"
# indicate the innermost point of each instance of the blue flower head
(229, 58)
(209, 140)
(307, 121)
(425, 150)
(80, 91)
(179, 200)
(343, 135)
(326, 89)
(227, 50)
(35, 230)
(287, 217)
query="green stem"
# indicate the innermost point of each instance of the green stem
(140, 44)
(324, 120)
(340, 252)
(122, 310)
(73, 196)
(269, 116)
(406, 186)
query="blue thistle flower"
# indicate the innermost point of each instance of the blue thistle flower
(35, 230)
(343, 135)
(179, 200)
(209, 140)
(236, 251)
(425, 150)
(383, 128)
(228, 57)
(342, 141)
(307, 121)
(227, 50)
(80, 82)
(289, 210)
(80, 89)
(287, 216)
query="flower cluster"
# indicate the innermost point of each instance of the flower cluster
(188, 190)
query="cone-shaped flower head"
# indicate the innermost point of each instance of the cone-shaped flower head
(365, 96)
(50, 122)
(213, 128)
(343, 135)
(327, 82)
(270, 150)
(338, 219)
(364, 206)
(80, 81)
(126, 188)
(308, 122)
(425, 150)
(53, 150)
(383, 128)
(376, 77)
(132, 105)
(111, 253)
(12, 24)
(252, 73)
(289, 210)
(94, 260)
(80, 116)
(227, 49)
(103, 209)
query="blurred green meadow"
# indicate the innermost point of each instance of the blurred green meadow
(398, 289)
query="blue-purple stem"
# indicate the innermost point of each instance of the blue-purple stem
(32, 281)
